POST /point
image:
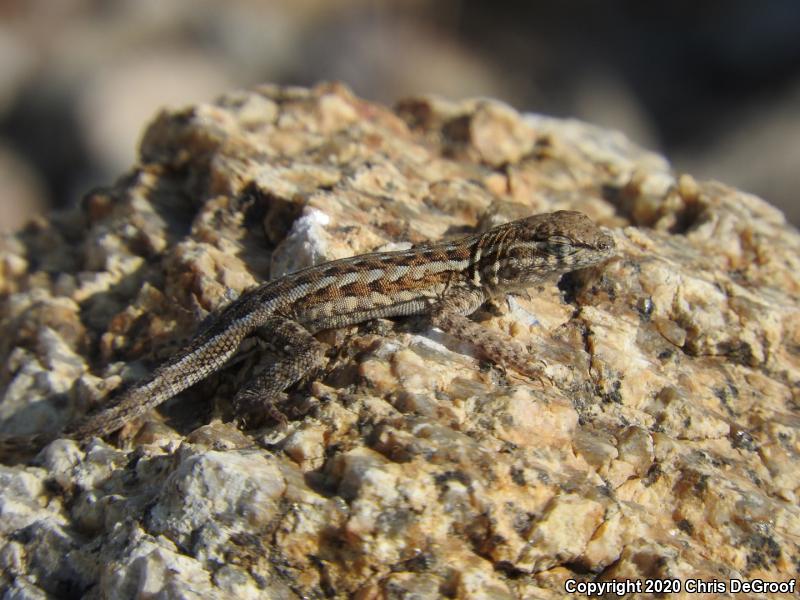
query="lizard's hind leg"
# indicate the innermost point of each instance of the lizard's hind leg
(298, 353)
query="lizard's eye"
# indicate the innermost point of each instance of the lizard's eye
(559, 240)
(560, 246)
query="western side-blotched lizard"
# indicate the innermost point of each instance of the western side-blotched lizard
(446, 281)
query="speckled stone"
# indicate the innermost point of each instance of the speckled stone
(664, 442)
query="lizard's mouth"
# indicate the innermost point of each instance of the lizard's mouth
(589, 256)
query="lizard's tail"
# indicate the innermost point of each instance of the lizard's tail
(206, 354)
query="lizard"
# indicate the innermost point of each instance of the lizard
(444, 281)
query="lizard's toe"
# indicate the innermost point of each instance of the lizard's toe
(253, 409)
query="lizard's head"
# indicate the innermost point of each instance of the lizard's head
(541, 247)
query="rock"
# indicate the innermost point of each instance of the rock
(664, 446)
(23, 193)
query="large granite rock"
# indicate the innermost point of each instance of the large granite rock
(666, 445)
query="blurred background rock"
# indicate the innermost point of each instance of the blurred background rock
(713, 85)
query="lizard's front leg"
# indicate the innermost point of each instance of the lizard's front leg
(298, 353)
(450, 316)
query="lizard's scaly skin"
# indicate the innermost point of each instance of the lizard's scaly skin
(446, 281)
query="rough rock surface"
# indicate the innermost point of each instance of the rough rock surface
(666, 446)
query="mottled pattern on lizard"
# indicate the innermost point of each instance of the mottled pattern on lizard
(447, 281)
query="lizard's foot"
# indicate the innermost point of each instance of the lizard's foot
(535, 370)
(253, 408)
